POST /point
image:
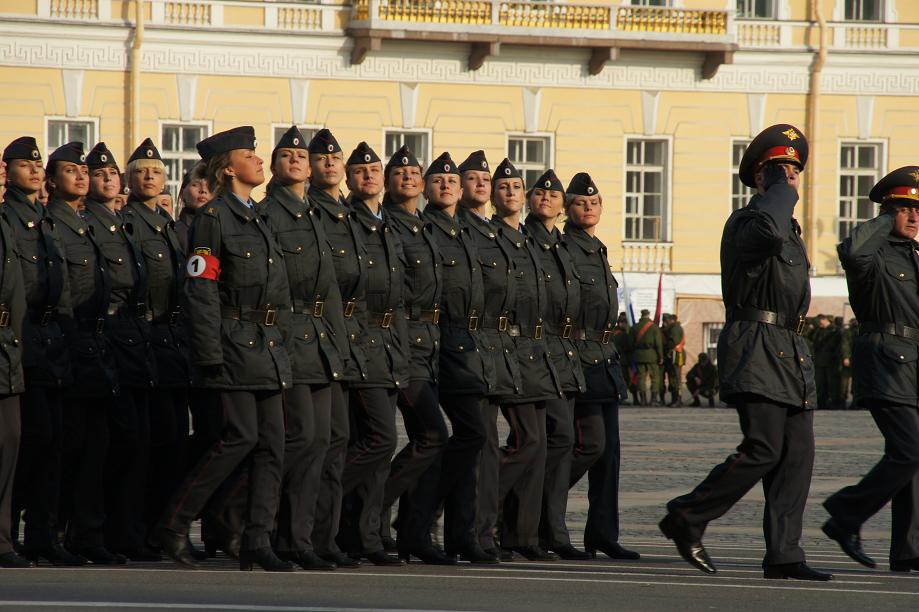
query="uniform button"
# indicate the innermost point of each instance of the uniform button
(571, 353)
(35, 258)
(901, 275)
(418, 340)
(322, 334)
(248, 254)
(417, 261)
(251, 342)
(801, 359)
(596, 361)
(369, 262)
(461, 347)
(334, 374)
(283, 384)
(397, 383)
(271, 343)
(270, 260)
(532, 358)
(548, 276)
(902, 357)
(781, 353)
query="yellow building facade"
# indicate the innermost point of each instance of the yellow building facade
(655, 98)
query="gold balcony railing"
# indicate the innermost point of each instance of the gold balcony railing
(866, 37)
(75, 9)
(541, 15)
(671, 21)
(188, 13)
(471, 12)
(759, 34)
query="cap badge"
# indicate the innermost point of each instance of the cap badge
(791, 152)
(913, 191)
(405, 161)
(915, 175)
(792, 135)
(485, 164)
(330, 148)
(548, 184)
(82, 158)
(149, 153)
(446, 167)
(507, 171)
(103, 158)
(367, 157)
(590, 190)
(34, 153)
(296, 141)
(254, 142)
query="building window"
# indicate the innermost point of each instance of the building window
(710, 333)
(859, 170)
(645, 191)
(61, 131)
(650, 2)
(279, 130)
(531, 154)
(756, 9)
(418, 142)
(179, 153)
(863, 10)
(740, 193)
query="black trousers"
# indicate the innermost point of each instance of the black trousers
(307, 410)
(254, 430)
(427, 436)
(777, 449)
(894, 478)
(169, 449)
(559, 443)
(126, 468)
(373, 442)
(522, 473)
(37, 488)
(207, 423)
(86, 442)
(9, 453)
(328, 505)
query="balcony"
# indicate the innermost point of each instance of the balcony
(488, 24)
(646, 256)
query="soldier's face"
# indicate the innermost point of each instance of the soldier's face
(104, 184)
(442, 190)
(792, 174)
(147, 181)
(70, 181)
(291, 166)
(547, 203)
(476, 187)
(328, 169)
(585, 211)
(26, 175)
(366, 180)
(246, 167)
(196, 194)
(508, 196)
(906, 221)
(405, 183)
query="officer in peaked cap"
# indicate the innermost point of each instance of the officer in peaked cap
(47, 371)
(880, 260)
(327, 166)
(596, 410)
(765, 365)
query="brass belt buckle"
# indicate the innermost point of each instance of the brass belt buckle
(473, 322)
(100, 325)
(140, 309)
(386, 321)
(502, 323)
(538, 334)
(350, 305)
(271, 315)
(318, 307)
(566, 331)
(435, 316)
(173, 317)
(5, 318)
(605, 338)
(799, 328)
(46, 317)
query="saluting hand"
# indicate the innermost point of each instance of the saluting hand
(774, 174)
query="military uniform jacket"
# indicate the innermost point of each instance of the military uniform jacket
(649, 348)
(464, 369)
(500, 290)
(563, 303)
(764, 265)
(154, 233)
(673, 344)
(421, 291)
(12, 313)
(539, 379)
(882, 271)
(126, 325)
(44, 273)
(348, 258)
(91, 357)
(597, 317)
(183, 227)
(386, 332)
(237, 299)
(318, 341)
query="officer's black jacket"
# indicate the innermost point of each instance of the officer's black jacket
(47, 289)
(385, 336)
(126, 325)
(539, 379)
(318, 341)
(597, 317)
(882, 271)
(422, 290)
(764, 265)
(230, 318)
(91, 355)
(348, 256)
(183, 226)
(563, 304)
(500, 292)
(13, 307)
(464, 369)
(153, 231)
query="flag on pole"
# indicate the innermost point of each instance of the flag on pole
(660, 301)
(627, 301)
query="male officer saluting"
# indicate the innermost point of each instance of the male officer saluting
(880, 260)
(765, 365)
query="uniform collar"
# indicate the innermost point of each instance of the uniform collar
(101, 212)
(289, 201)
(235, 205)
(474, 221)
(516, 236)
(247, 204)
(26, 212)
(365, 216)
(156, 219)
(448, 225)
(335, 209)
(397, 214)
(540, 235)
(588, 243)
(66, 215)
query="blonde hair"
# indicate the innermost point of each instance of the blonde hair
(216, 179)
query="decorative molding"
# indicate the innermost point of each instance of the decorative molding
(532, 100)
(73, 91)
(756, 108)
(408, 96)
(299, 94)
(186, 89)
(864, 107)
(650, 100)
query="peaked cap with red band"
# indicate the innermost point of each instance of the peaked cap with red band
(901, 184)
(781, 143)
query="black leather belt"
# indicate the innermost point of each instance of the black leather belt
(4, 317)
(124, 309)
(562, 330)
(471, 323)
(380, 319)
(795, 323)
(314, 309)
(267, 317)
(500, 324)
(536, 332)
(426, 316)
(44, 316)
(894, 329)
(594, 335)
(172, 317)
(349, 307)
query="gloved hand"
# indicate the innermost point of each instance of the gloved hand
(773, 174)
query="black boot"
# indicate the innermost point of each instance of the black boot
(676, 401)
(265, 558)
(695, 401)
(175, 546)
(307, 560)
(12, 560)
(54, 553)
(711, 402)
(428, 555)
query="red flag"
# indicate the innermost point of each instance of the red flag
(660, 291)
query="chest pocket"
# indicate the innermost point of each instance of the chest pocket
(900, 271)
(792, 255)
(154, 252)
(245, 262)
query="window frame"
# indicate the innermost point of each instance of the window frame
(752, 4)
(734, 171)
(711, 349)
(427, 156)
(549, 137)
(881, 144)
(161, 125)
(94, 121)
(667, 185)
(882, 12)
(286, 126)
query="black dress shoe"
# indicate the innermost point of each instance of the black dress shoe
(905, 565)
(307, 560)
(54, 553)
(341, 560)
(850, 542)
(144, 554)
(692, 552)
(503, 554)
(12, 560)
(475, 554)
(570, 553)
(794, 571)
(264, 558)
(196, 553)
(381, 557)
(175, 546)
(389, 544)
(428, 555)
(99, 555)
(612, 550)
(534, 553)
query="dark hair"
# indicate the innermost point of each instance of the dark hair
(216, 179)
